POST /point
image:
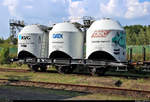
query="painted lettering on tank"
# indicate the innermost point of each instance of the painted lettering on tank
(59, 36)
(20, 37)
(100, 33)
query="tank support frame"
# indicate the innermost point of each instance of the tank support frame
(94, 66)
(67, 65)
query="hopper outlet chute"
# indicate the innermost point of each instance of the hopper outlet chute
(25, 54)
(102, 55)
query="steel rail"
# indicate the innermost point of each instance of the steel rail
(80, 88)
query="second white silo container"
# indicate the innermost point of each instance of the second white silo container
(65, 41)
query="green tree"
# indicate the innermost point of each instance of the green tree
(137, 35)
(128, 36)
(134, 39)
(142, 37)
(1, 40)
(148, 34)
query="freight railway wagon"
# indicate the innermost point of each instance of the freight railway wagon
(62, 47)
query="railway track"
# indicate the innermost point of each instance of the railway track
(14, 70)
(79, 74)
(80, 88)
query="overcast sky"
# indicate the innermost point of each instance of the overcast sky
(47, 12)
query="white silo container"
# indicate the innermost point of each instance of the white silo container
(33, 42)
(106, 40)
(65, 41)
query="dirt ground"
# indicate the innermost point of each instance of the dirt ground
(8, 93)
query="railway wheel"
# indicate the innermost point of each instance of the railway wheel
(64, 69)
(34, 67)
(71, 69)
(29, 66)
(43, 68)
(101, 71)
(93, 71)
(97, 71)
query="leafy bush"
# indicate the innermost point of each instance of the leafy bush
(4, 56)
(12, 55)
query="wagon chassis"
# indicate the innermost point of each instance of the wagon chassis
(94, 66)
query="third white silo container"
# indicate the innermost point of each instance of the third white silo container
(106, 40)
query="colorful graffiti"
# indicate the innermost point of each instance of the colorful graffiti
(120, 39)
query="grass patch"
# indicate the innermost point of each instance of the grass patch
(128, 74)
(104, 81)
(105, 97)
(46, 77)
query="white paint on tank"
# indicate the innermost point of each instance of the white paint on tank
(67, 38)
(108, 36)
(34, 39)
